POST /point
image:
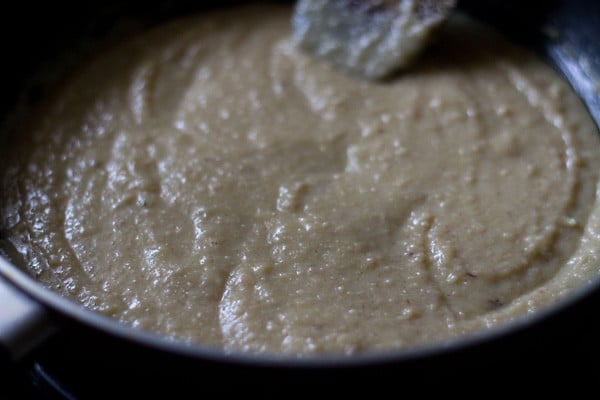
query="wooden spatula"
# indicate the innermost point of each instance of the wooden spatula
(368, 38)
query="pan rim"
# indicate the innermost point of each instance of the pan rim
(75, 312)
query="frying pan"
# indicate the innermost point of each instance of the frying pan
(92, 354)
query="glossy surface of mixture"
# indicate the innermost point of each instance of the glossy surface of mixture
(211, 182)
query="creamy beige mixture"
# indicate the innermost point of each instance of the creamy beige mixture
(211, 182)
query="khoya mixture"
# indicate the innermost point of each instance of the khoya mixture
(211, 182)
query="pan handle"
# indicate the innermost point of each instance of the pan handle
(24, 323)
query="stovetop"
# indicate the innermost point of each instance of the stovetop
(32, 383)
